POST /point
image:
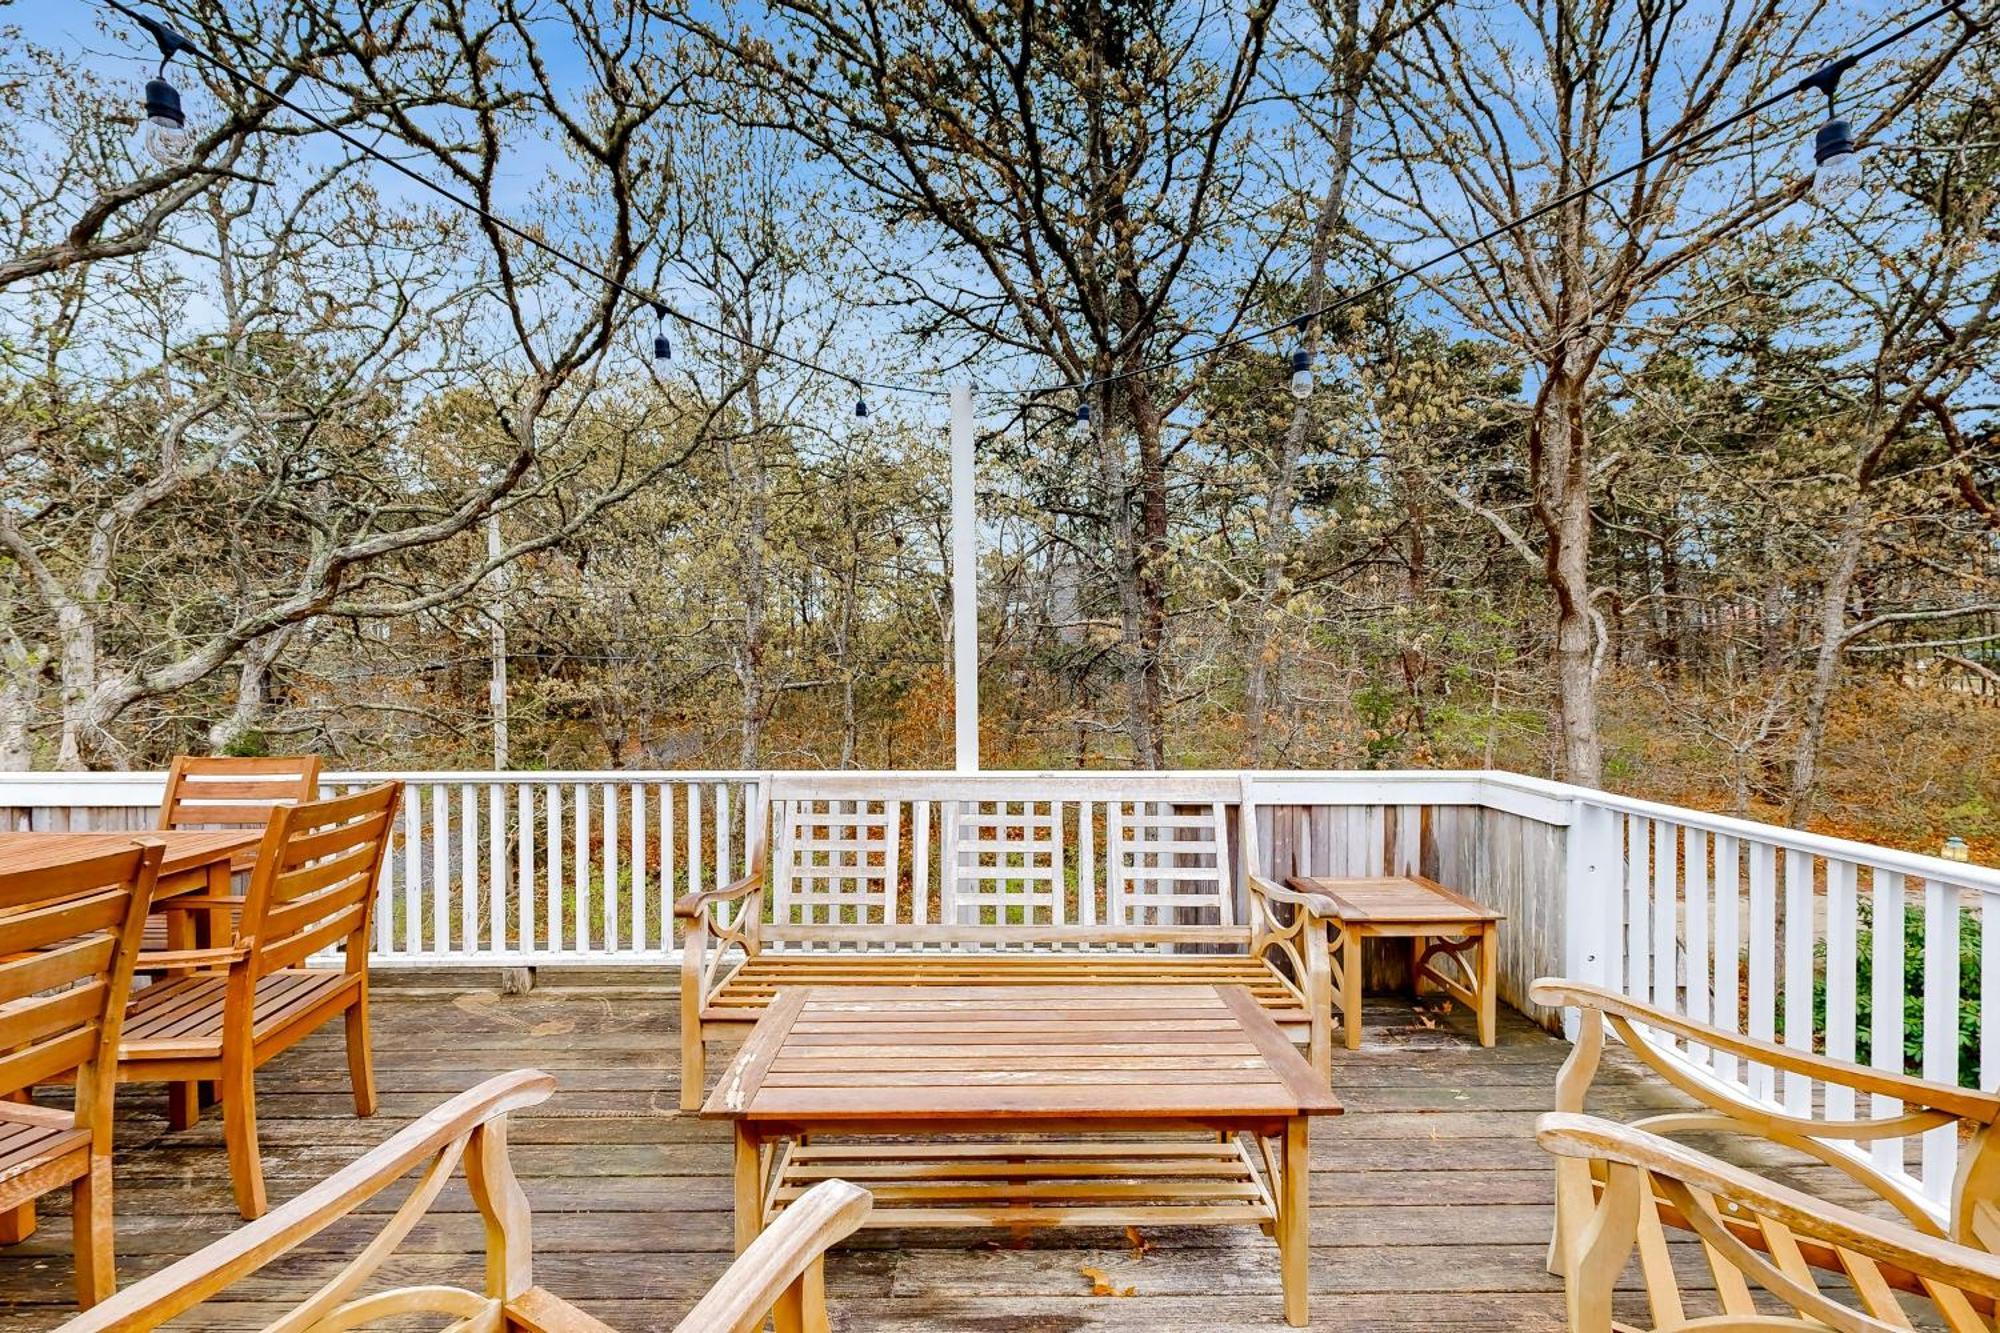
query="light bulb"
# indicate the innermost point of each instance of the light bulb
(1836, 166)
(166, 143)
(1302, 384)
(1836, 178)
(1082, 426)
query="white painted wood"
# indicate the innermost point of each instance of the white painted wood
(1763, 958)
(496, 868)
(583, 873)
(1941, 980)
(1086, 863)
(552, 913)
(1885, 1044)
(694, 878)
(1727, 1012)
(920, 880)
(1798, 946)
(1989, 989)
(636, 929)
(612, 855)
(413, 867)
(525, 892)
(1842, 930)
(964, 583)
(1666, 918)
(468, 873)
(668, 884)
(1700, 915)
(1638, 910)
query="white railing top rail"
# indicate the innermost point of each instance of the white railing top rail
(1533, 798)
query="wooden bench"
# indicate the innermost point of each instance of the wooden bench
(780, 1275)
(1011, 898)
(1761, 1243)
(1441, 925)
(1857, 1108)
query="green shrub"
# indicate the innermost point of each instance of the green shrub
(1913, 992)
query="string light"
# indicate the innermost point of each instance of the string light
(165, 133)
(167, 38)
(663, 351)
(1082, 425)
(1836, 166)
(1836, 162)
(1302, 364)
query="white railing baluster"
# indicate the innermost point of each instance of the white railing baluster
(524, 906)
(440, 835)
(1666, 919)
(1694, 860)
(1842, 922)
(413, 866)
(1763, 1021)
(468, 873)
(1885, 1037)
(1728, 947)
(612, 852)
(667, 885)
(1638, 910)
(1989, 991)
(496, 868)
(637, 932)
(920, 878)
(1799, 930)
(1941, 980)
(694, 838)
(552, 911)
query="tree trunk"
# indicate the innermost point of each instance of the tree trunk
(1826, 661)
(1150, 555)
(1559, 450)
(253, 691)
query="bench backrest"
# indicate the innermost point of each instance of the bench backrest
(1014, 859)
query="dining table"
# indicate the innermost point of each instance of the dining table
(194, 861)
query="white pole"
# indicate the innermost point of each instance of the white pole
(964, 582)
(496, 613)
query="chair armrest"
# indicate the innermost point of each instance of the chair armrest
(1316, 904)
(743, 1295)
(220, 956)
(1963, 1103)
(200, 902)
(694, 904)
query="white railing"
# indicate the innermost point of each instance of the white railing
(1796, 938)
(1753, 927)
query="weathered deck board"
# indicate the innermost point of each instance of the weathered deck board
(1431, 1201)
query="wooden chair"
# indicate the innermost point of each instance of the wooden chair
(71, 937)
(782, 1269)
(1725, 1105)
(244, 1002)
(1762, 1243)
(204, 792)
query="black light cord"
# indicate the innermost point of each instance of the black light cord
(650, 300)
(1823, 79)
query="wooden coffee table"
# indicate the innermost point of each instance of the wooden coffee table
(1029, 1106)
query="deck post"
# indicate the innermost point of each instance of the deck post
(964, 582)
(1591, 867)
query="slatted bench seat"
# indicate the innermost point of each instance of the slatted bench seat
(1062, 880)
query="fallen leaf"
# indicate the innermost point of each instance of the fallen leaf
(1140, 1245)
(1102, 1285)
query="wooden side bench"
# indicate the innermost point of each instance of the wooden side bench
(1441, 925)
(782, 1274)
(1022, 897)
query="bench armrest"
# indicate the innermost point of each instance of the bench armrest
(1982, 1108)
(692, 905)
(1312, 903)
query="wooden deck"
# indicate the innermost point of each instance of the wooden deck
(1431, 1201)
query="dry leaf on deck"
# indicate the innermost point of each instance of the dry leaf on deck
(1140, 1245)
(1101, 1284)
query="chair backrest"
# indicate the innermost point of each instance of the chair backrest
(1762, 1243)
(213, 792)
(471, 1128)
(315, 878)
(70, 935)
(999, 860)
